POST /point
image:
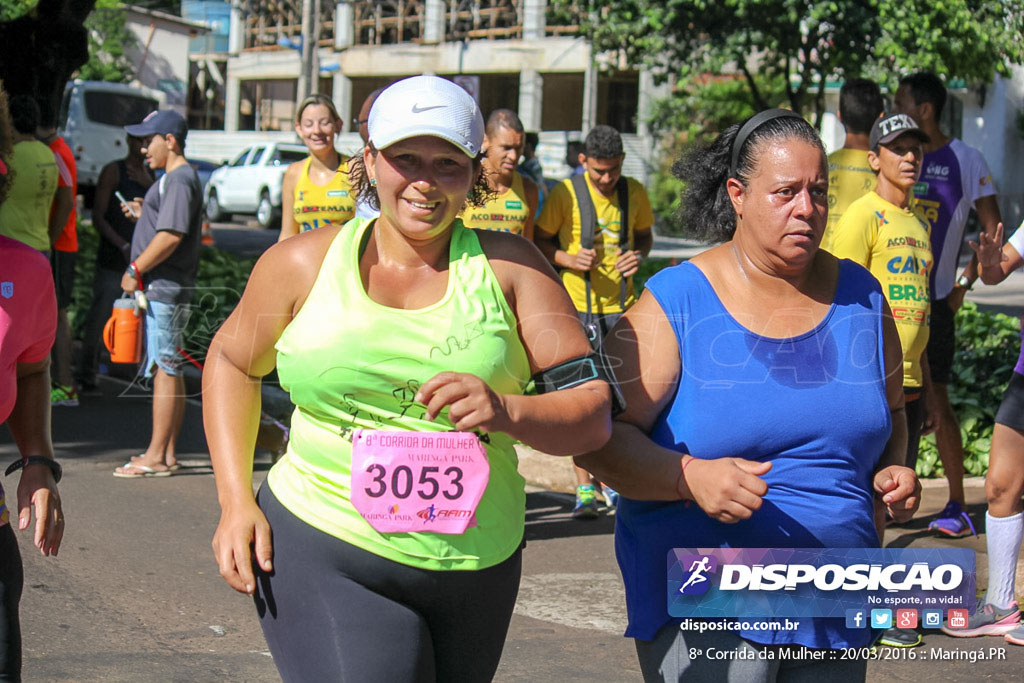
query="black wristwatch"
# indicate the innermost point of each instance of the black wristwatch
(54, 466)
(965, 282)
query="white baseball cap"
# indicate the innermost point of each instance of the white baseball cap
(427, 105)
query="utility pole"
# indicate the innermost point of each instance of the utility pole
(310, 70)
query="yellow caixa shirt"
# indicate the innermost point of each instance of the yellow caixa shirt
(849, 178)
(893, 244)
(508, 212)
(317, 206)
(561, 216)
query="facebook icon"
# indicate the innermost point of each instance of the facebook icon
(856, 618)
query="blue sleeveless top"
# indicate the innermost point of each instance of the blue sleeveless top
(814, 406)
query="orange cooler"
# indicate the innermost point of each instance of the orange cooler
(122, 335)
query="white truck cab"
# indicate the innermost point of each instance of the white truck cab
(92, 119)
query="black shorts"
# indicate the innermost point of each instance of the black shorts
(333, 612)
(62, 263)
(1011, 410)
(941, 342)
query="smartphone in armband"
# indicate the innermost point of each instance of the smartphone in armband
(120, 198)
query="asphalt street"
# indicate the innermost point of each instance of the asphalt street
(135, 595)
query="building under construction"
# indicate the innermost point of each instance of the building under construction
(525, 55)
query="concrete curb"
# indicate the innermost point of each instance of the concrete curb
(551, 472)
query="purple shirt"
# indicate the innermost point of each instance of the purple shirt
(953, 177)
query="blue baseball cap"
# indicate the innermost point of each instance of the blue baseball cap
(160, 122)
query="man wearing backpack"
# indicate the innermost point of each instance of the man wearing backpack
(582, 232)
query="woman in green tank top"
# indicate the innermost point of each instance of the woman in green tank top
(406, 344)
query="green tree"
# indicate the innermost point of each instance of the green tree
(108, 40)
(15, 9)
(807, 42)
(967, 39)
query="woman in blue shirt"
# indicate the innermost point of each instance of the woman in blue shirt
(763, 383)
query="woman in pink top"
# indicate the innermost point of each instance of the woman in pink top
(28, 322)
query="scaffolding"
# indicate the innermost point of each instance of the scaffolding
(273, 24)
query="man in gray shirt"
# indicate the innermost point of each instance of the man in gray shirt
(164, 262)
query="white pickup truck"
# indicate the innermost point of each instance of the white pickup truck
(251, 182)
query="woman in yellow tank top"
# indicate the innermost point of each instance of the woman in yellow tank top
(316, 192)
(395, 329)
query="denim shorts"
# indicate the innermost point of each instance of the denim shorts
(165, 331)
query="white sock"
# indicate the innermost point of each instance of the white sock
(1003, 540)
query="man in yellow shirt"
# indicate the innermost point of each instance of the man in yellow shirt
(613, 258)
(597, 264)
(515, 202)
(849, 174)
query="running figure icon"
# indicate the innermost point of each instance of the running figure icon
(696, 570)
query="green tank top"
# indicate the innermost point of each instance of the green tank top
(349, 362)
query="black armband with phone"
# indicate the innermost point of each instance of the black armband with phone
(576, 371)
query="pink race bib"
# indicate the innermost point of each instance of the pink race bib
(418, 481)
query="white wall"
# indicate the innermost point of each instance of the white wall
(167, 57)
(991, 128)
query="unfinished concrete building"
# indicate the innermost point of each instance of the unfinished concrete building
(526, 55)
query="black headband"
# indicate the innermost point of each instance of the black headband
(752, 124)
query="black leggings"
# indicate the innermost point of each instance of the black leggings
(12, 580)
(331, 611)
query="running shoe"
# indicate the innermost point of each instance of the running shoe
(900, 637)
(586, 503)
(953, 521)
(611, 496)
(988, 620)
(1016, 636)
(61, 395)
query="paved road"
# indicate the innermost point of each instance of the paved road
(135, 594)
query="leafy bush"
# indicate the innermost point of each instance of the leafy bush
(647, 269)
(987, 345)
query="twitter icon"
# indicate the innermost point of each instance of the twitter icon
(881, 618)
